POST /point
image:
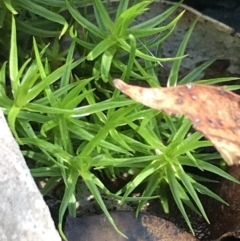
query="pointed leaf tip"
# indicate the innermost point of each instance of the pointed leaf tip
(119, 84)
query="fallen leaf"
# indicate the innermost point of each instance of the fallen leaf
(213, 111)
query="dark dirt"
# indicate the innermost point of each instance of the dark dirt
(224, 220)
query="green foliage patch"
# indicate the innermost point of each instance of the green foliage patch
(64, 112)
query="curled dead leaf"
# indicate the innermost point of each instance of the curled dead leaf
(213, 111)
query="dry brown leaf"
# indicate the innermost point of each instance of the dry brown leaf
(213, 111)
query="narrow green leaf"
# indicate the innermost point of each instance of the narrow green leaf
(106, 63)
(51, 78)
(3, 13)
(216, 81)
(182, 131)
(133, 44)
(151, 186)
(52, 182)
(94, 190)
(84, 22)
(46, 171)
(209, 167)
(102, 16)
(26, 27)
(124, 45)
(49, 147)
(101, 47)
(151, 31)
(9, 6)
(12, 115)
(173, 184)
(44, 12)
(65, 139)
(3, 80)
(85, 135)
(118, 138)
(190, 146)
(69, 192)
(183, 177)
(65, 79)
(173, 76)
(123, 4)
(39, 60)
(13, 58)
(151, 23)
(147, 171)
(196, 72)
(206, 191)
(125, 18)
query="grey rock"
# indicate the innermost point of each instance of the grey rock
(24, 214)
